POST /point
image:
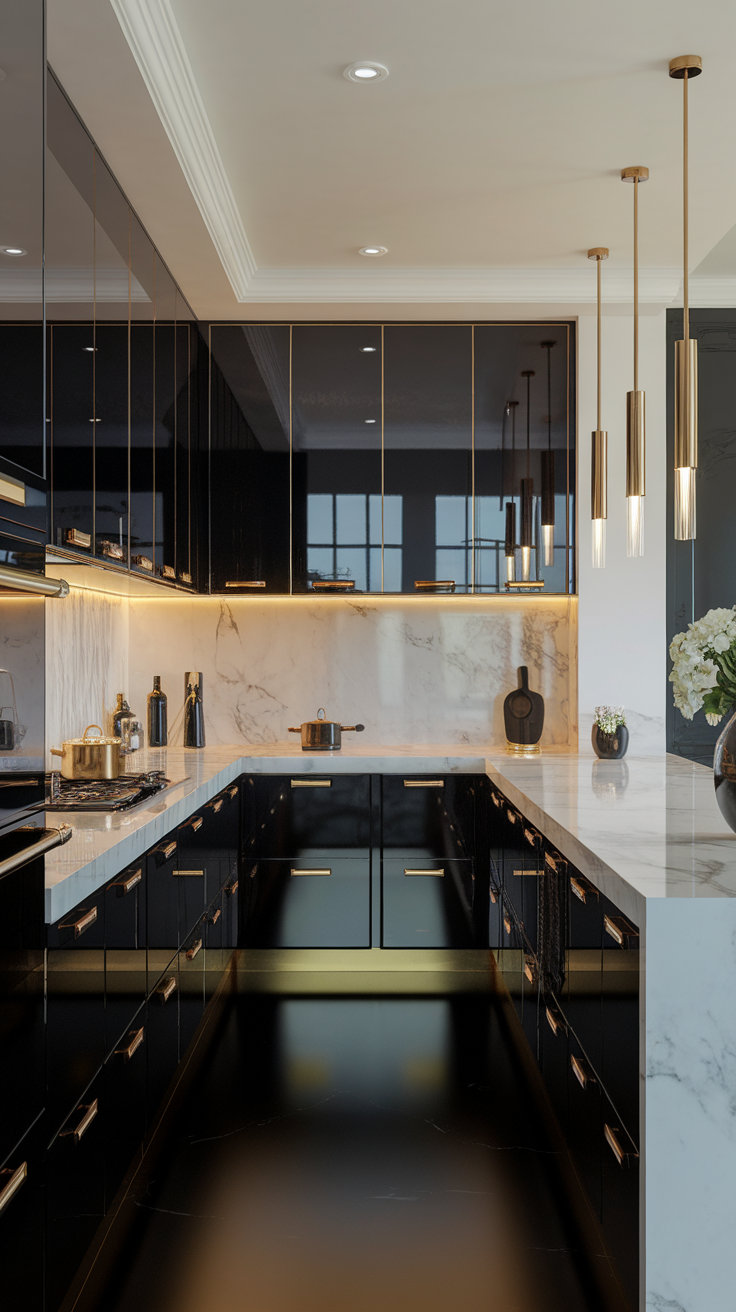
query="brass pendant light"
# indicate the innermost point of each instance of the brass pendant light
(684, 68)
(510, 544)
(527, 493)
(599, 452)
(548, 474)
(635, 402)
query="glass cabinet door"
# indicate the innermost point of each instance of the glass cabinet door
(336, 459)
(428, 457)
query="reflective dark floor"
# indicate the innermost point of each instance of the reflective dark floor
(351, 1154)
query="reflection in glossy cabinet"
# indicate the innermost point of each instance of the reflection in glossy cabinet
(22, 1036)
(124, 1080)
(162, 1036)
(22, 1200)
(192, 958)
(125, 950)
(75, 1188)
(427, 903)
(75, 1004)
(298, 904)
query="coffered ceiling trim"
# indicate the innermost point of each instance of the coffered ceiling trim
(151, 31)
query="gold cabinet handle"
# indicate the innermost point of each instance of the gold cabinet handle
(179, 874)
(167, 850)
(83, 923)
(135, 1038)
(440, 871)
(529, 970)
(424, 783)
(511, 816)
(619, 929)
(582, 1072)
(195, 823)
(231, 888)
(519, 873)
(10, 1183)
(217, 804)
(614, 1143)
(233, 791)
(532, 837)
(250, 583)
(309, 783)
(311, 872)
(579, 888)
(496, 799)
(555, 1021)
(194, 949)
(428, 584)
(507, 924)
(166, 988)
(90, 1111)
(214, 919)
(127, 885)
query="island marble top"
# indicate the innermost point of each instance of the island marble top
(640, 828)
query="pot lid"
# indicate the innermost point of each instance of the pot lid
(92, 740)
(321, 718)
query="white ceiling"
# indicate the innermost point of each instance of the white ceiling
(488, 161)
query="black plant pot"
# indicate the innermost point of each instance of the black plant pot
(610, 746)
(724, 773)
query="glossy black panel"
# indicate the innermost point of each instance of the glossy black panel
(125, 951)
(111, 439)
(186, 339)
(22, 1230)
(22, 433)
(336, 399)
(197, 866)
(75, 1188)
(75, 1004)
(142, 460)
(287, 906)
(124, 1091)
(620, 1202)
(162, 896)
(428, 454)
(585, 1122)
(192, 993)
(162, 1034)
(300, 815)
(21, 691)
(22, 1030)
(71, 410)
(166, 384)
(430, 910)
(249, 461)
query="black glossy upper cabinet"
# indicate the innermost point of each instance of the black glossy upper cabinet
(336, 468)
(248, 387)
(21, 300)
(428, 458)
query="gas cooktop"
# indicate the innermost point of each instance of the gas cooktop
(107, 794)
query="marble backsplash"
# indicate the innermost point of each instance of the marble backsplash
(414, 671)
(86, 663)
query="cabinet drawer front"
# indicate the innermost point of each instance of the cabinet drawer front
(428, 909)
(288, 905)
(75, 1185)
(289, 820)
(22, 1222)
(22, 1027)
(431, 812)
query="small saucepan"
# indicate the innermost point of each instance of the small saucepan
(90, 757)
(323, 735)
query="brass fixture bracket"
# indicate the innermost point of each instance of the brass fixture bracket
(598, 253)
(636, 173)
(690, 64)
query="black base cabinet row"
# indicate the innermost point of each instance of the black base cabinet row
(96, 1012)
(570, 960)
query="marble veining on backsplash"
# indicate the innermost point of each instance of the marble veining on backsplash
(86, 663)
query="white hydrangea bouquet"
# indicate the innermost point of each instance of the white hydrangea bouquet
(704, 666)
(609, 718)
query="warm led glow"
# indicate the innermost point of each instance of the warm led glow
(367, 349)
(685, 504)
(526, 564)
(370, 421)
(12, 250)
(548, 544)
(510, 569)
(599, 543)
(365, 70)
(635, 529)
(373, 250)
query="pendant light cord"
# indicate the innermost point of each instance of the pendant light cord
(549, 396)
(636, 284)
(528, 394)
(686, 304)
(598, 271)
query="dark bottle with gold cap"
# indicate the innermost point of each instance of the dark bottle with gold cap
(121, 710)
(158, 734)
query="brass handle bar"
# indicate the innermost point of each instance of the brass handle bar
(136, 1039)
(90, 1111)
(181, 873)
(582, 1072)
(214, 919)
(326, 871)
(555, 1021)
(217, 804)
(194, 949)
(435, 583)
(166, 988)
(619, 929)
(424, 783)
(196, 822)
(168, 850)
(54, 838)
(440, 872)
(19, 783)
(309, 783)
(83, 923)
(528, 872)
(24, 580)
(555, 863)
(612, 1140)
(252, 583)
(12, 1184)
(232, 888)
(127, 885)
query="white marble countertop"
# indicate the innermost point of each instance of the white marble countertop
(641, 828)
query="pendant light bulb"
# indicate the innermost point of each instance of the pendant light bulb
(599, 447)
(548, 473)
(635, 401)
(684, 68)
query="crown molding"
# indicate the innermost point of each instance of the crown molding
(151, 30)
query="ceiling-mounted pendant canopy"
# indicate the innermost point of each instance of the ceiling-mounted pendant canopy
(599, 445)
(685, 67)
(635, 401)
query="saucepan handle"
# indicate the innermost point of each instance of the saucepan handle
(352, 728)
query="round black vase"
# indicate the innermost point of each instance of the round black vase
(724, 773)
(610, 746)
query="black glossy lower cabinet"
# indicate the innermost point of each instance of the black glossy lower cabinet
(162, 1037)
(124, 1093)
(75, 1188)
(22, 1202)
(427, 902)
(318, 901)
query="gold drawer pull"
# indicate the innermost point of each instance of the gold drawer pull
(166, 988)
(195, 823)
(532, 837)
(578, 888)
(231, 888)
(127, 885)
(507, 924)
(619, 929)
(554, 862)
(555, 1021)
(494, 898)
(440, 872)
(511, 815)
(519, 873)
(529, 970)
(217, 804)
(612, 1139)
(310, 783)
(582, 1072)
(135, 1040)
(495, 799)
(424, 783)
(83, 923)
(214, 919)
(90, 1111)
(194, 949)
(168, 850)
(179, 874)
(233, 791)
(12, 1183)
(311, 872)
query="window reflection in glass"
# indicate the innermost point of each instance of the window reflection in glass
(344, 540)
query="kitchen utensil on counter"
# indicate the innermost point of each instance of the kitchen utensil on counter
(193, 709)
(89, 757)
(323, 735)
(523, 714)
(131, 735)
(122, 709)
(158, 734)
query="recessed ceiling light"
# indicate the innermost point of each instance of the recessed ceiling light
(12, 250)
(89, 348)
(365, 71)
(366, 349)
(373, 250)
(370, 421)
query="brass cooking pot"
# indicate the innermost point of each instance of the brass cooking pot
(89, 757)
(323, 735)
